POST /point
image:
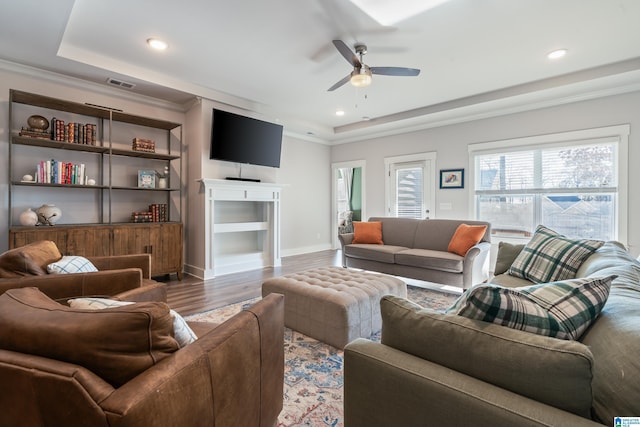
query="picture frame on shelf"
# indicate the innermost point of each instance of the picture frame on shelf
(451, 178)
(146, 179)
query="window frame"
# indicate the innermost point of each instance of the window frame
(620, 133)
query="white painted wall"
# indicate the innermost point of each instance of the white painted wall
(450, 143)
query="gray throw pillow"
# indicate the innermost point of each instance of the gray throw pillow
(507, 253)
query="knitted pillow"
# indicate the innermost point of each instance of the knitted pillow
(549, 256)
(560, 309)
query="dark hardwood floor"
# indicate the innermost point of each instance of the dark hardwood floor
(192, 295)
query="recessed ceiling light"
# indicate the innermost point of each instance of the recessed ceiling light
(339, 113)
(557, 54)
(157, 44)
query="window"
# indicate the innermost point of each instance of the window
(568, 182)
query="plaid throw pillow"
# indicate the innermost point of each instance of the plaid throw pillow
(550, 257)
(71, 264)
(560, 309)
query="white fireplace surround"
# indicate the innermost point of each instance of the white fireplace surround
(242, 226)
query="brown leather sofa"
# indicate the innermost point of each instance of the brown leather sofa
(232, 375)
(123, 277)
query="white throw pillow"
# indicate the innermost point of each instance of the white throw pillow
(182, 332)
(71, 264)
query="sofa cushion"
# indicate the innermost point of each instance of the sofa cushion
(436, 234)
(31, 259)
(550, 256)
(507, 253)
(514, 360)
(465, 237)
(398, 231)
(367, 232)
(434, 260)
(116, 343)
(559, 309)
(70, 265)
(379, 253)
(181, 330)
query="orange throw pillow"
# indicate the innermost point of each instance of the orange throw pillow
(465, 237)
(368, 232)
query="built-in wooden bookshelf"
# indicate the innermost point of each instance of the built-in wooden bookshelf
(96, 213)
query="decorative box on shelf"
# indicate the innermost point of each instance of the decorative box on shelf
(146, 179)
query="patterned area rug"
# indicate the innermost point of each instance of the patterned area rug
(313, 370)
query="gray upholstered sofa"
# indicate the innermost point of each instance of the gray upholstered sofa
(443, 369)
(417, 249)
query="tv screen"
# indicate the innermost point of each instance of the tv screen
(240, 139)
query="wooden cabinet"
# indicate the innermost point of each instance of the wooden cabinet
(97, 210)
(163, 241)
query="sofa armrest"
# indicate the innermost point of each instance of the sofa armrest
(149, 291)
(345, 239)
(233, 375)
(118, 262)
(384, 386)
(475, 266)
(549, 370)
(62, 286)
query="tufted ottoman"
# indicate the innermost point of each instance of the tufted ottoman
(334, 304)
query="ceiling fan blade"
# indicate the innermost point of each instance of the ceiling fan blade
(340, 83)
(348, 54)
(395, 71)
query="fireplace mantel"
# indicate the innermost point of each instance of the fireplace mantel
(242, 226)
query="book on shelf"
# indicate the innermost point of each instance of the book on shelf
(142, 144)
(141, 217)
(57, 172)
(34, 133)
(72, 132)
(157, 213)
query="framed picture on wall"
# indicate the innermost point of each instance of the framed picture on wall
(451, 178)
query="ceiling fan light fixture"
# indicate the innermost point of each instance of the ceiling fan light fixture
(361, 78)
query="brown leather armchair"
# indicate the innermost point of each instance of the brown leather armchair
(231, 375)
(123, 277)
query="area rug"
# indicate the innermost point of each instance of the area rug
(313, 370)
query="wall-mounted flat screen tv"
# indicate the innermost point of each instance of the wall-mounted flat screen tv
(240, 139)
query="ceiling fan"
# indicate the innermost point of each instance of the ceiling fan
(361, 74)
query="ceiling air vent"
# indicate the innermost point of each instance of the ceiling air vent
(120, 83)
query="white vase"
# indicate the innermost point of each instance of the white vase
(48, 214)
(28, 217)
